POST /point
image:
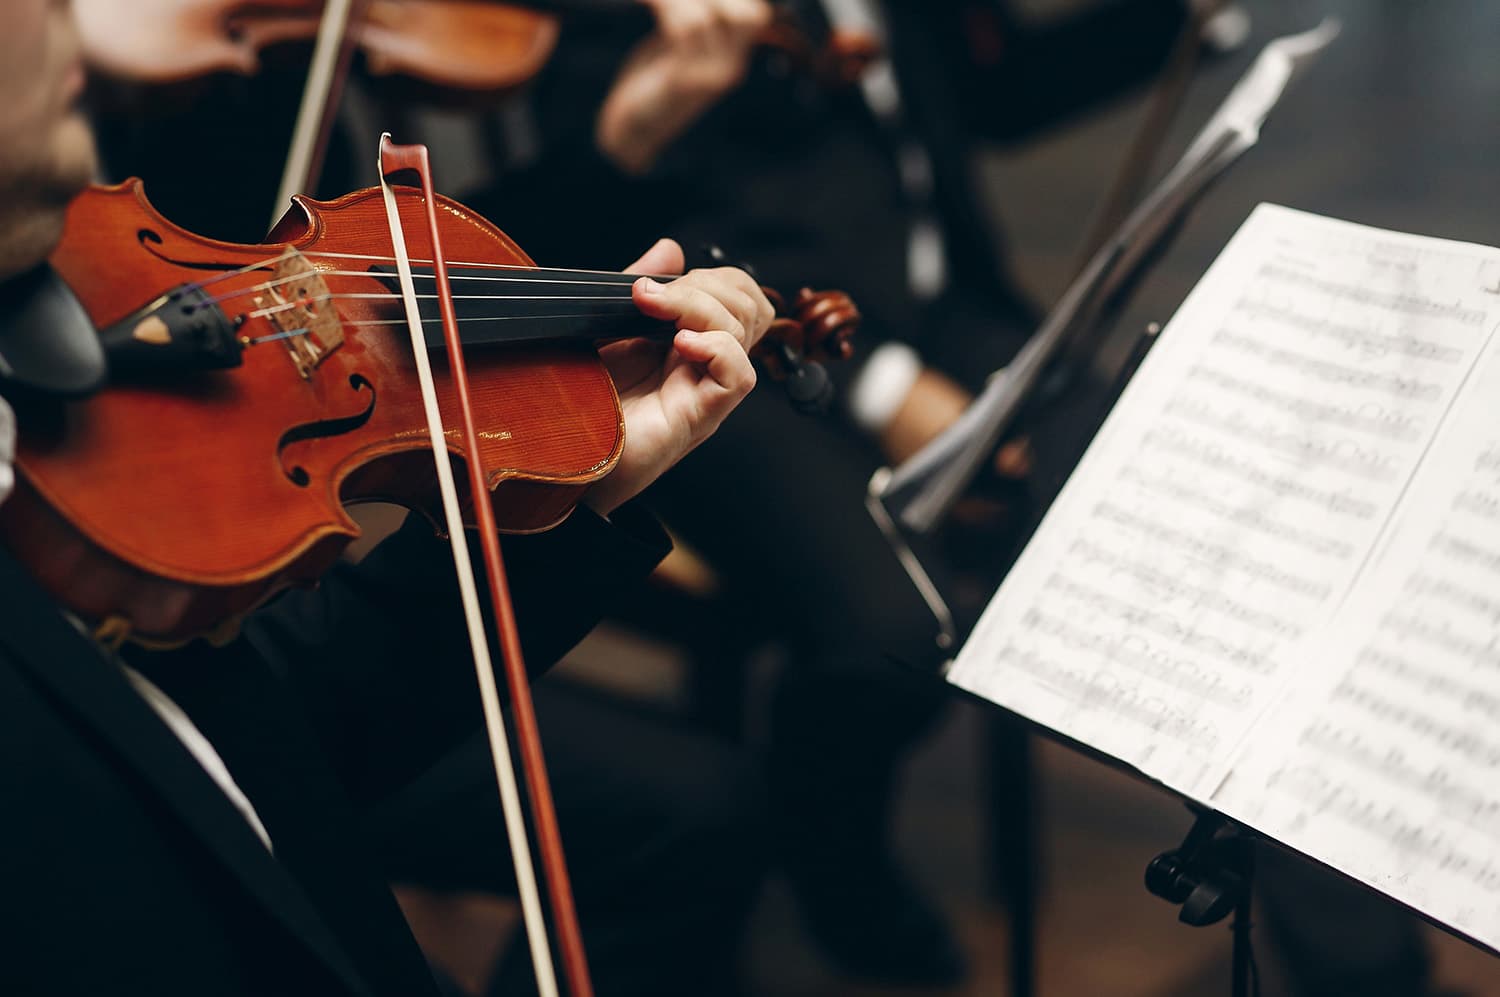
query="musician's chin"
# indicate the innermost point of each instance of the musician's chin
(31, 220)
(75, 158)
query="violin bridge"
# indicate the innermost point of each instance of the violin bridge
(300, 305)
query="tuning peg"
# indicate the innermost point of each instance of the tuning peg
(809, 388)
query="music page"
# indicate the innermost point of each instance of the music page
(1259, 496)
(1384, 759)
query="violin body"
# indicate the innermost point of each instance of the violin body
(167, 507)
(447, 45)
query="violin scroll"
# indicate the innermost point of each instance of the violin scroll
(818, 326)
(828, 320)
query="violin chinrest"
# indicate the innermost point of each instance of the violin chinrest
(48, 344)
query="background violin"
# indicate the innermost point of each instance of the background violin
(259, 388)
(451, 49)
(454, 47)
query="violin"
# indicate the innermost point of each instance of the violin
(285, 369)
(452, 47)
(257, 390)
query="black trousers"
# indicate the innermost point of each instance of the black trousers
(774, 501)
(663, 833)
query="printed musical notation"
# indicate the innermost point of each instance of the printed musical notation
(1273, 582)
(1404, 714)
(1342, 803)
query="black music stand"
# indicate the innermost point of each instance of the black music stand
(1209, 875)
(910, 501)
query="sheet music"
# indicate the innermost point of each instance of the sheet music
(1224, 523)
(1389, 754)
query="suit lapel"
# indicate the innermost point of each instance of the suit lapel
(89, 687)
(256, 726)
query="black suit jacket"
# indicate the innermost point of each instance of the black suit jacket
(126, 870)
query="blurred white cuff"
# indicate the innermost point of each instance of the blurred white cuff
(1227, 30)
(883, 384)
(7, 449)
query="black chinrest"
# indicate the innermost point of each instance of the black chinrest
(48, 343)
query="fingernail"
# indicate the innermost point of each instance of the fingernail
(649, 286)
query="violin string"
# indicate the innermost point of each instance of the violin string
(369, 296)
(486, 266)
(240, 271)
(626, 281)
(610, 276)
(289, 334)
(267, 285)
(292, 333)
(496, 318)
(302, 302)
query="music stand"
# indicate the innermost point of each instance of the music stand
(1208, 872)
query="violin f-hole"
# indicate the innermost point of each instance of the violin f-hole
(323, 428)
(155, 243)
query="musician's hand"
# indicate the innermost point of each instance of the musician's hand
(698, 53)
(931, 405)
(934, 402)
(674, 396)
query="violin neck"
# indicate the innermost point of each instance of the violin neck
(525, 305)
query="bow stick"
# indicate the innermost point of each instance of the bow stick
(1150, 135)
(395, 159)
(326, 74)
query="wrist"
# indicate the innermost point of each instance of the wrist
(601, 502)
(933, 403)
(627, 147)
